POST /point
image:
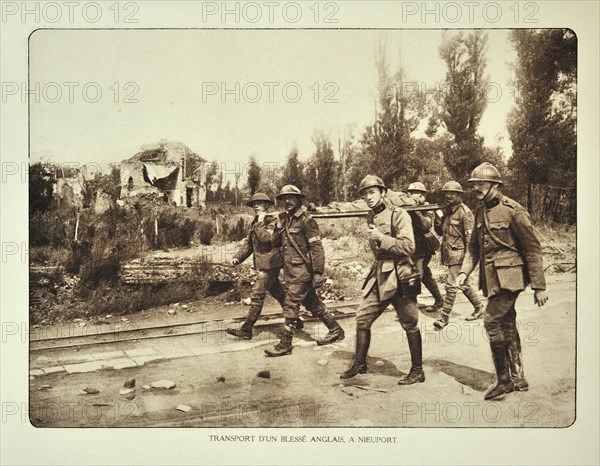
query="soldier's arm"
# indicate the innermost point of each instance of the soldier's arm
(438, 224)
(422, 221)
(264, 229)
(404, 242)
(471, 255)
(276, 236)
(530, 248)
(245, 248)
(468, 222)
(317, 253)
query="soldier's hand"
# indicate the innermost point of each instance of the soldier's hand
(318, 280)
(540, 297)
(375, 234)
(260, 216)
(460, 281)
(235, 261)
(280, 220)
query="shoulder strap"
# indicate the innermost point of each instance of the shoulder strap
(495, 239)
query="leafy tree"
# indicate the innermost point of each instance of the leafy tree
(464, 99)
(542, 124)
(254, 175)
(293, 169)
(321, 171)
(40, 188)
(387, 145)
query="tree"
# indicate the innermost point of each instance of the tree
(40, 188)
(542, 124)
(254, 175)
(464, 99)
(320, 171)
(213, 180)
(293, 170)
(387, 145)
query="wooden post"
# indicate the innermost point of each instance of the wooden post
(156, 230)
(76, 226)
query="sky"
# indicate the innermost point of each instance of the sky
(99, 95)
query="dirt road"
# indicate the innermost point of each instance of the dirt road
(218, 379)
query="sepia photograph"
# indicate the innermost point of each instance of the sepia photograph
(302, 228)
(299, 232)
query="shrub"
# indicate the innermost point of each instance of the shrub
(207, 232)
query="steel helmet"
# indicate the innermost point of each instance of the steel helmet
(259, 197)
(371, 181)
(452, 186)
(417, 186)
(290, 189)
(485, 172)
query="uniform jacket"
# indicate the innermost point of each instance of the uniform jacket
(305, 232)
(391, 251)
(425, 242)
(456, 228)
(259, 242)
(514, 264)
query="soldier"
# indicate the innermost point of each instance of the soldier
(267, 262)
(455, 226)
(303, 266)
(425, 244)
(393, 279)
(510, 258)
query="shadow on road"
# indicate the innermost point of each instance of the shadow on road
(475, 378)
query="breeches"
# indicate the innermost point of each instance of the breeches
(500, 315)
(371, 308)
(297, 294)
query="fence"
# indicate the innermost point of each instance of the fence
(551, 203)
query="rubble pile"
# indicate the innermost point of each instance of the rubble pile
(164, 269)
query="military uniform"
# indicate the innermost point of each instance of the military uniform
(303, 258)
(267, 263)
(455, 228)
(426, 244)
(510, 258)
(394, 279)
(392, 264)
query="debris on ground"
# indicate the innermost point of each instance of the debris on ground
(322, 362)
(126, 391)
(146, 387)
(247, 301)
(264, 374)
(89, 391)
(163, 383)
(364, 387)
(129, 383)
(43, 388)
(380, 363)
(171, 312)
(184, 408)
(221, 379)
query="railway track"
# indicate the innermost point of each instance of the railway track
(112, 336)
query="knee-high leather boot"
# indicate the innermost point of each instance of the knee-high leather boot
(359, 365)
(515, 359)
(416, 374)
(504, 385)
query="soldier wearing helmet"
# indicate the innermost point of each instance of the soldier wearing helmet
(393, 279)
(455, 227)
(510, 258)
(426, 244)
(303, 265)
(267, 262)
